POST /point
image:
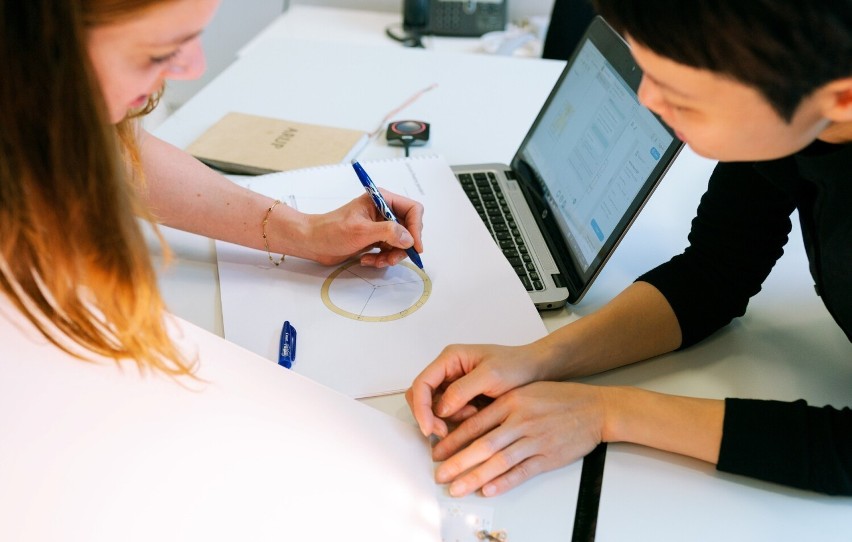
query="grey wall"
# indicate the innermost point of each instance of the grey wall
(518, 9)
(236, 22)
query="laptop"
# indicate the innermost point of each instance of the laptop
(587, 166)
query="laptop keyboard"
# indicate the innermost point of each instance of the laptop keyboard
(487, 198)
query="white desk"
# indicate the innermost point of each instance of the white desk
(352, 86)
(480, 113)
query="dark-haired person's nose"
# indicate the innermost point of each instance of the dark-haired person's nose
(649, 96)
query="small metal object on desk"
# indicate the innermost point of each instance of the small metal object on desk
(498, 536)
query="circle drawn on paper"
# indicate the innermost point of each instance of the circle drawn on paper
(368, 294)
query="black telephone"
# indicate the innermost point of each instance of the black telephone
(453, 17)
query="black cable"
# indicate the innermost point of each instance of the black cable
(408, 39)
(589, 495)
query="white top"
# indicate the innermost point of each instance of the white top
(249, 451)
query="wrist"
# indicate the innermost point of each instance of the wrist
(286, 232)
(616, 407)
(545, 357)
(561, 355)
(684, 425)
(265, 233)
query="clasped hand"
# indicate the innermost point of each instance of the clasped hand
(529, 427)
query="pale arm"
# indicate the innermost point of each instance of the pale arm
(545, 425)
(683, 425)
(532, 428)
(185, 194)
(637, 324)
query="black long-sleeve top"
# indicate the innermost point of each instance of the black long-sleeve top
(738, 233)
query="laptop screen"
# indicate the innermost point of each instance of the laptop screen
(596, 153)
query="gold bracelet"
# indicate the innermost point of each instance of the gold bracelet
(266, 238)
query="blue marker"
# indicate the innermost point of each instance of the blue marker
(383, 207)
(287, 346)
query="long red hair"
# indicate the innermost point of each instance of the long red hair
(72, 256)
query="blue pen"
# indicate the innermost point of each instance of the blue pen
(287, 346)
(383, 207)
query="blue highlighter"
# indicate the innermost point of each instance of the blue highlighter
(287, 346)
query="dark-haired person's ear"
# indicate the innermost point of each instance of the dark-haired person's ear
(836, 99)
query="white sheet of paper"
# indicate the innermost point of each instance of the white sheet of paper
(475, 298)
(250, 451)
(663, 496)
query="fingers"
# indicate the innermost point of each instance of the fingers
(410, 215)
(392, 240)
(366, 229)
(502, 461)
(499, 458)
(468, 431)
(383, 258)
(421, 396)
(465, 391)
(514, 477)
(419, 399)
(524, 432)
(464, 413)
(357, 228)
(399, 236)
(455, 364)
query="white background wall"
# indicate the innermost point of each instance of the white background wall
(518, 9)
(236, 22)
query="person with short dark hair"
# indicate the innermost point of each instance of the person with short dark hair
(765, 87)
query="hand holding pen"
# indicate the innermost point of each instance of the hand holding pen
(382, 207)
(353, 230)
